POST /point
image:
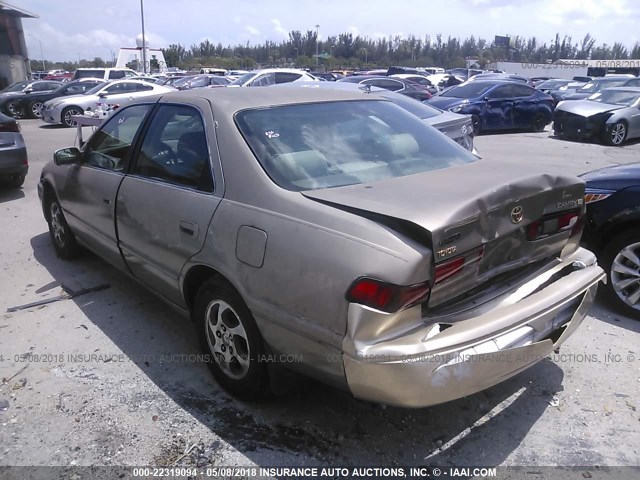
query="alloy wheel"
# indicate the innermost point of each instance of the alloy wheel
(618, 133)
(625, 275)
(57, 224)
(13, 109)
(35, 109)
(67, 116)
(227, 339)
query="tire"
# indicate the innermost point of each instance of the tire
(616, 135)
(539, 122)
(231, 339)
(33, 109)
(65, 117)
(557, 130)
(12, 109)
(64, 242)
(623, 272)
(18, 182)
(477, 124)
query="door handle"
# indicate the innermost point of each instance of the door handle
(189, 228)
(107, 201)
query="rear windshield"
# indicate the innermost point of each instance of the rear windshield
(421, 110)
(322, 145)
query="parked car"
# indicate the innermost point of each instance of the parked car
(104, 73)
(272, 76)
(501, 76)
(61, 110)
(420, 80)
(444, 80)
(498, 105)
(30, 104)
(457, 127)
(611, 115)
(332, 229)
(592, 87)
(200, 81)
(14, 163)
(328, 76)
(405, 87)
(9, 95)
(632, 82)
(551, 84)
(611, 231)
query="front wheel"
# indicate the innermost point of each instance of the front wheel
(616, 135)
(64, 242)
(33, 109)
(67, 121)
(231, 339)
(621, 261)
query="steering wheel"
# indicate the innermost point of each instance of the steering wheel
(165, 155)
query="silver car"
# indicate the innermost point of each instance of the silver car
(330, 233)
(121, 92)
(611, 115)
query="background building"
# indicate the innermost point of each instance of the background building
(14, 60)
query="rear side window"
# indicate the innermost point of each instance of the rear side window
(174, 149)
(521, 91)
(387, 84)
(286, 77)
(115, 74)
(89, 74)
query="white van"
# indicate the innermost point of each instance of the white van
(104, 73)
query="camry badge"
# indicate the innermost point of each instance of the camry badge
(517, 214)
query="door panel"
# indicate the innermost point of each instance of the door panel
(525, 106)
(88, 195)
(166, 203)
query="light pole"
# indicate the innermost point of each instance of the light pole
(317, 44)
(144, 40)
(44, 67)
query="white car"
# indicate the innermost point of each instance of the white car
(108, 94)
(272, 76)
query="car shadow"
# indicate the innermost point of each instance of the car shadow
(312, 423)
(488, 133)
(595, 141)
(8, 194)
(51, 126)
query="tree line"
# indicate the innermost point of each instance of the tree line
(356, 51)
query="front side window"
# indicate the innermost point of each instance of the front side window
(174, 149)
(109, 147)
(469, 90)
(322, 145)
(264, 80)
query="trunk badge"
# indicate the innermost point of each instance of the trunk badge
(517, 214)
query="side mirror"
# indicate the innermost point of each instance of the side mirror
(66, 156)
(28, 90)
(102, 94)
(486, 98)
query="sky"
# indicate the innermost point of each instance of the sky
(72, 29)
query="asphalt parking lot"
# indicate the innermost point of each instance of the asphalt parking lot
(108, 378)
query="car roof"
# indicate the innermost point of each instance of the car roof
(232, 100)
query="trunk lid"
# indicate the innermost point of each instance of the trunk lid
(465, 208)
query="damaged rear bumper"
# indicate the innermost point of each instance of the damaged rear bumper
(406, 360)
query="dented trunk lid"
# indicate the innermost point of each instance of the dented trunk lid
(483, 205)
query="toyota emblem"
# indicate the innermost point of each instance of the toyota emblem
(517, 214)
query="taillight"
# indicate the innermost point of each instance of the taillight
(555, 223)
(387, 296)
(595, 195)
(453, 266)
(12, 127)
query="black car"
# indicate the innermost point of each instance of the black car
(399, 85)
(28, 105)
(612, 231)
(9, 95)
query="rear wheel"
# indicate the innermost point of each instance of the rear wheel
(616, 135)
(231, 339)
(539, 122)
(33, 109)
(62, 237)
(621, 261)
(67, 121)
(13, 109)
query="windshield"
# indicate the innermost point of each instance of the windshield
(96, 89)
(243, 79)
(16, 87)
(616, 97)
(469, 90)
(322, 145)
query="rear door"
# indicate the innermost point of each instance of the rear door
(498, 108)
(525, 106)
(166, 202)
(88, 193)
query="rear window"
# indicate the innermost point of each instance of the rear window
(322, 145)
(469, 90)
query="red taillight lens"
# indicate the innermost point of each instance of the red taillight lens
(10, 127)
(555, 223)
(451, 267)
(387, 296)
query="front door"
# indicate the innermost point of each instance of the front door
(88, 194)
(166, 203)
(499, 106)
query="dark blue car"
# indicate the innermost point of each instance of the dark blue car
(498, 105)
